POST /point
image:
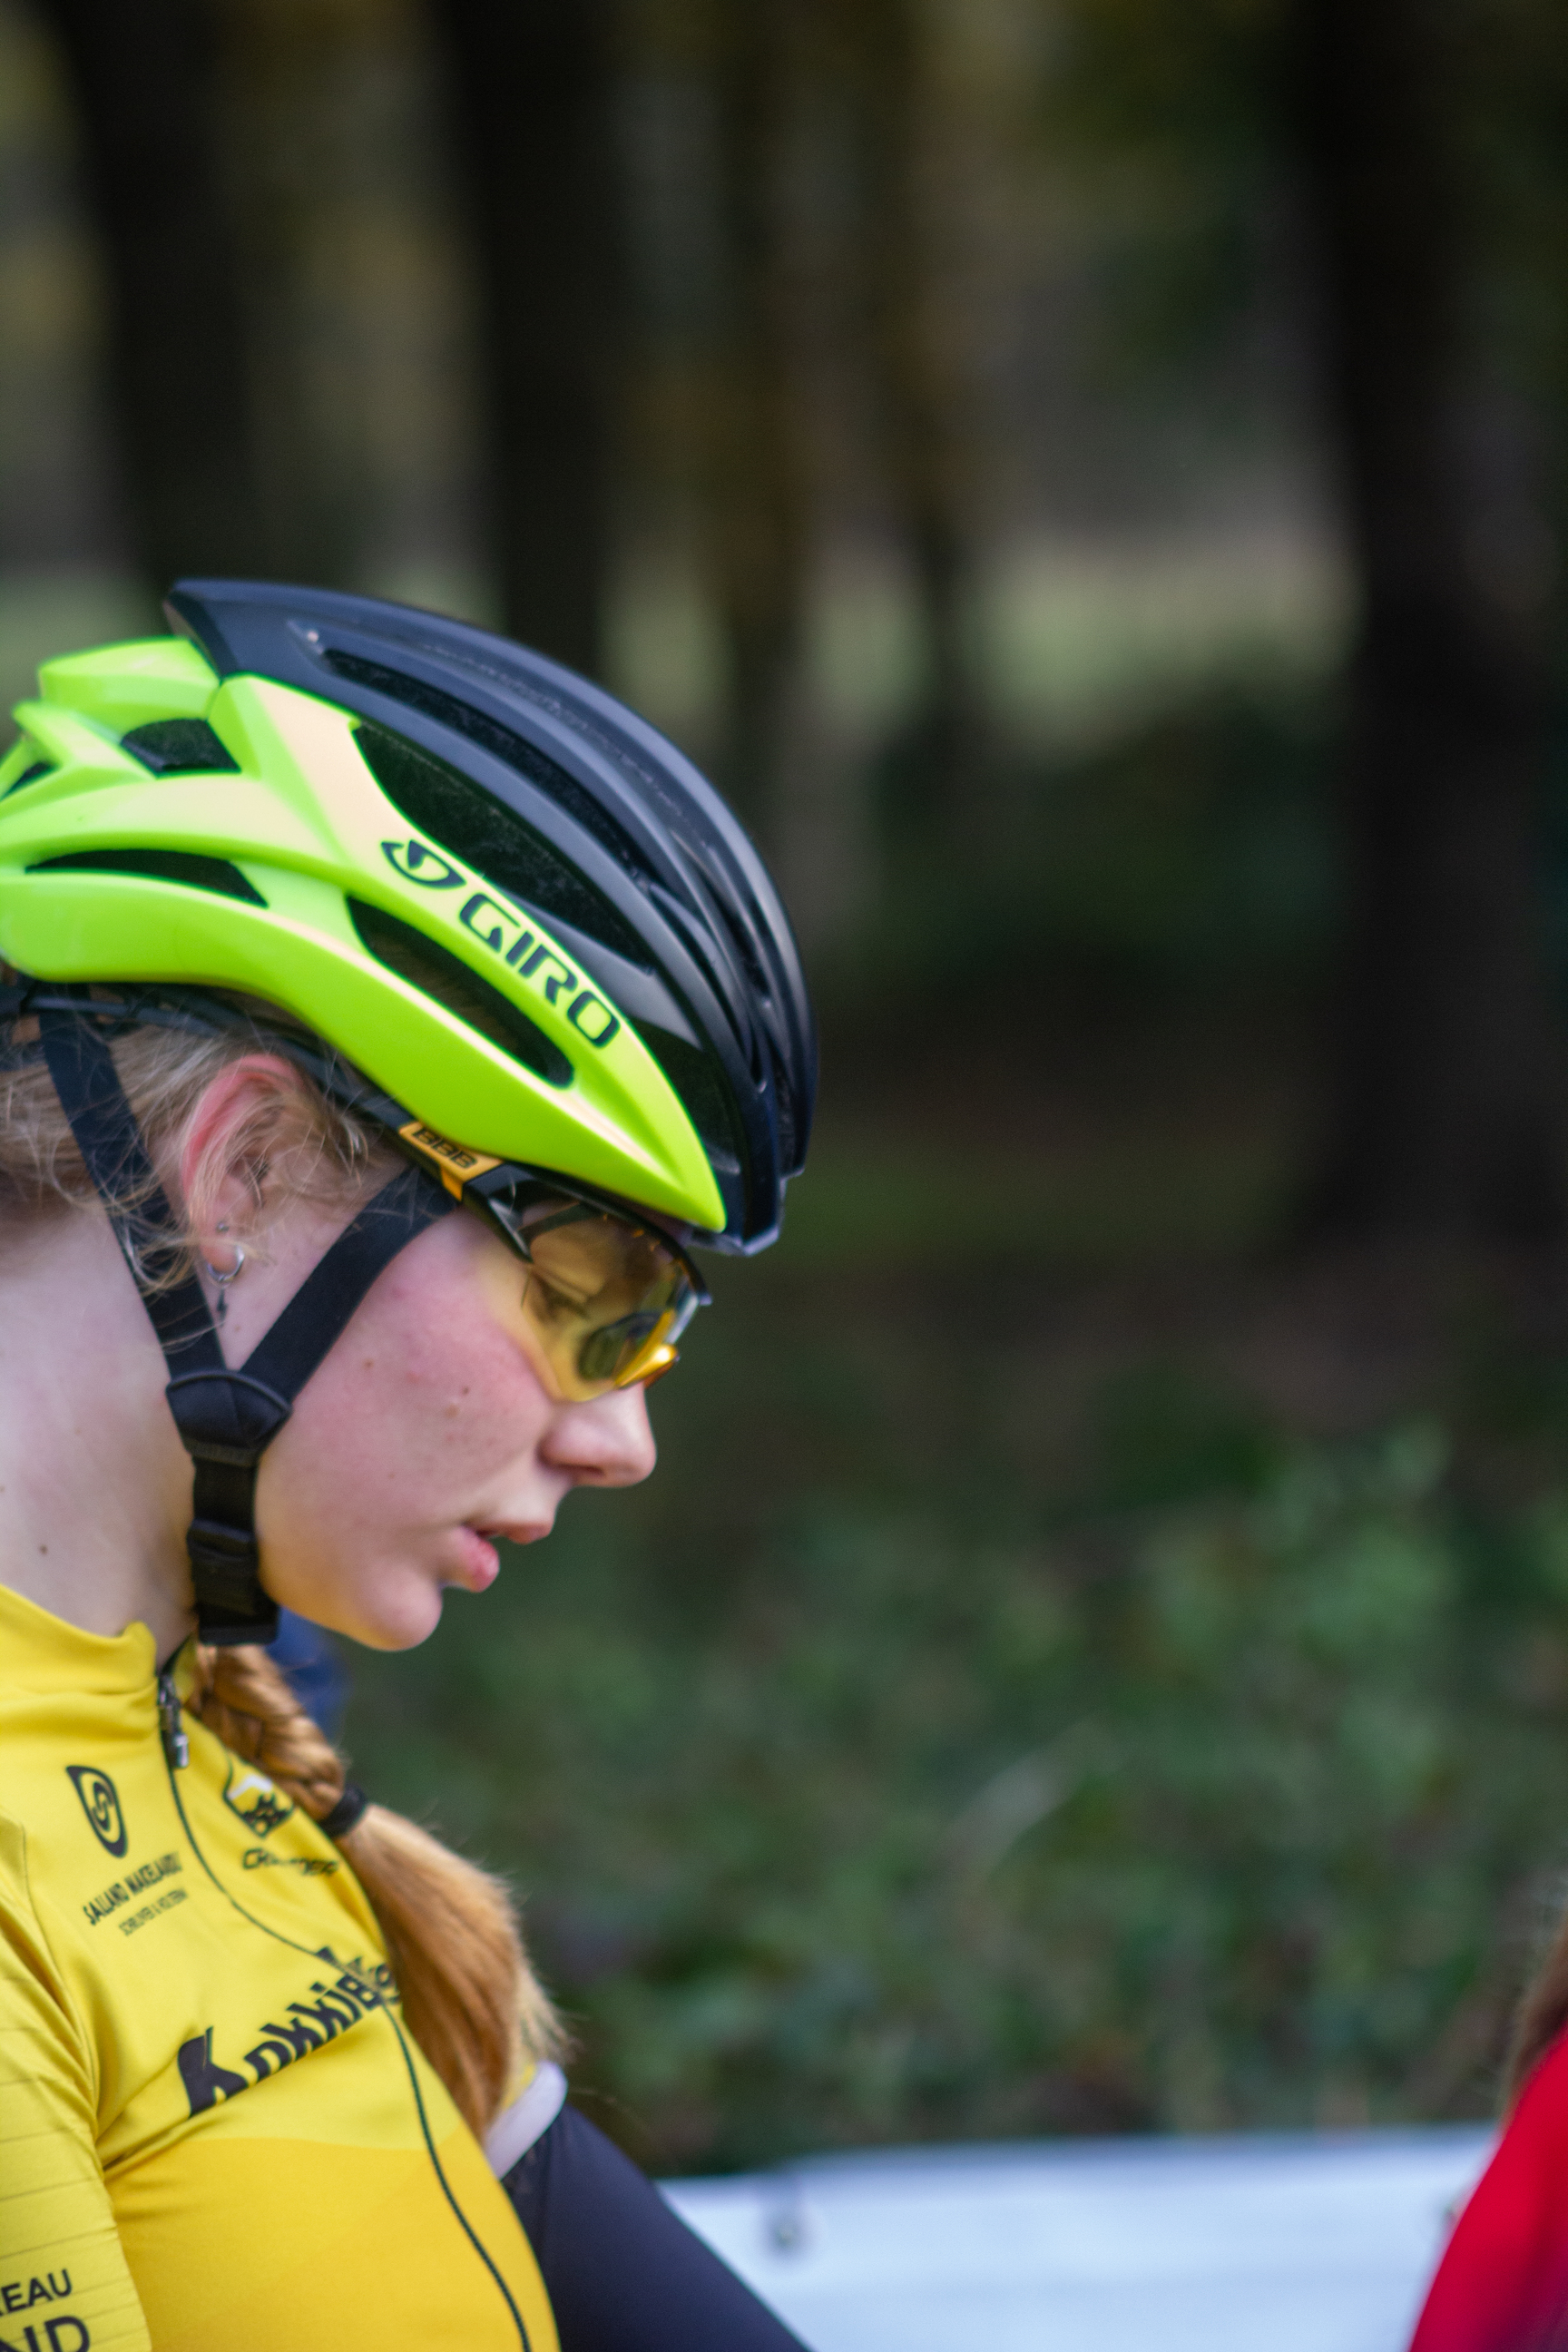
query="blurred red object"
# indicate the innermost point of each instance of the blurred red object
(1502, 2284)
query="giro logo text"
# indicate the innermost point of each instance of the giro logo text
(100, 1803)
(502, 929)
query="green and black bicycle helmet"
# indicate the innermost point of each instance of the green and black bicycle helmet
(486, 882)
(503, 915)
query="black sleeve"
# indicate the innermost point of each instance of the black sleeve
(623, 2272)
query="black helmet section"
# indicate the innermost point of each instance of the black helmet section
(590, 820)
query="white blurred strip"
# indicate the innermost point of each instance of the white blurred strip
(1286, 2243)
(527, 2119)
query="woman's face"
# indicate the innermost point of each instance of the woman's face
(426, 1435)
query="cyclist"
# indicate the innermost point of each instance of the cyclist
(385, 1014)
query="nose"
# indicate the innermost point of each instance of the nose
(609, 1442)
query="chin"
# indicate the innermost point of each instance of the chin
(401, 1627)
(402, 1609)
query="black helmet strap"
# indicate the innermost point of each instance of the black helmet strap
(225, 1418)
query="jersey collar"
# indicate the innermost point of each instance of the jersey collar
(40, 1651)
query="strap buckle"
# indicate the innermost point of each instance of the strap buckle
(231, 1605)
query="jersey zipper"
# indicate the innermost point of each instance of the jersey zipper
(176, 1747)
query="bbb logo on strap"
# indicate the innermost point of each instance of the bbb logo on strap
(100, 1803)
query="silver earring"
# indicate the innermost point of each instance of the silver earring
(223, 1280)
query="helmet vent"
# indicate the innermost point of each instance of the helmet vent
(179, 747)
(502, 744)
(29, 776)
(195, 872)
(791, 1147)
(704, 1095)
(492, 838)
(454, 985)
(579, 720)
(745, 949)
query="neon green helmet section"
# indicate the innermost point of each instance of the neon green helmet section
(264, 857)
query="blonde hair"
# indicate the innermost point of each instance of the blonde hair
(469, 1997)
(313, 1149)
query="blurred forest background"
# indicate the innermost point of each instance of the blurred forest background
(1089, 476)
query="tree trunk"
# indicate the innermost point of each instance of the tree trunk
(1444, 1117)
(914, 380)
(535, 143)
(758, 494)
(141, 74)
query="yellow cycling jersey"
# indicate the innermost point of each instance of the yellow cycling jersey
(216, 2133)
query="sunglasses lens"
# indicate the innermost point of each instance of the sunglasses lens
(609, 1352)
(607, 1300)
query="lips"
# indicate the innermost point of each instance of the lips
(476, 1561)
(521, 1531)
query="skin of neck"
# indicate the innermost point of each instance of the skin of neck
(95, 1485)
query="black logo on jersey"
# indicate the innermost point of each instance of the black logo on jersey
(260, 1802)
(304, 2026)
(54, 2337)
(205, 2080)
(21, 2295)
(100, 1803)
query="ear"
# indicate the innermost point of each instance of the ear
(248, 1112)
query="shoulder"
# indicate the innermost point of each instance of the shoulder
(26, 1926)
(33, 1982)
(19, 1891)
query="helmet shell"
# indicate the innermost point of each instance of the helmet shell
(493, 888)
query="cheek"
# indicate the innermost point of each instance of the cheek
(407, 1421)
(429, 1408)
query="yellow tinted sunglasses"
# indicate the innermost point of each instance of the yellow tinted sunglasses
(607, 1298)
(608, 1293)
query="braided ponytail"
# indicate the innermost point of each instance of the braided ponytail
(470, 1997)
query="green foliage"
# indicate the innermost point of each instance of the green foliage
(1191, 850)
(883, 1772)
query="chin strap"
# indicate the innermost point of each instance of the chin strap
(225, 1418)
